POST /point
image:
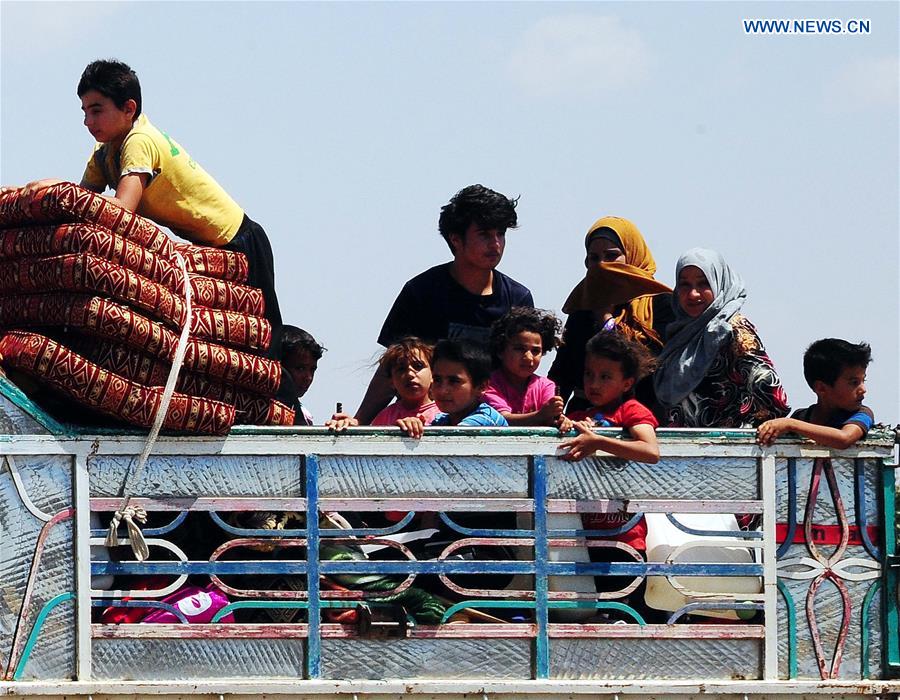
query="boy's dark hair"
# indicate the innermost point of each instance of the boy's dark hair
(472, 357)
(523, 318)
(636, 360)
(825, 359)
(403, 352)
(295, 340)
(112, 79)
(476, 204)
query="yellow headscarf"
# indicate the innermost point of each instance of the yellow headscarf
(630, 283)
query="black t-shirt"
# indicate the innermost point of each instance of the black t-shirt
(434, 306)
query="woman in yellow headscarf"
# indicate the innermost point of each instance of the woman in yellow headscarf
(618, 293)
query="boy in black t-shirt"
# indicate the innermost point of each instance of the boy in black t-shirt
(836, 371)
(458, 300)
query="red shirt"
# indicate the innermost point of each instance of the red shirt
(628, 414)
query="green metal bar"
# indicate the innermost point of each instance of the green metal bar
(18, 397)
(864, 631)
(792, 629)
(890, 625)
(298, 604)
(553, 605)
(36, 629)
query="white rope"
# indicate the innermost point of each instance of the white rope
(127, 513)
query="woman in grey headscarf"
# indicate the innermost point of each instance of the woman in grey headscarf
(713, 371)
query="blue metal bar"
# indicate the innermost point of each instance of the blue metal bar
(541, 556)
(475, 532)
(410, 566)
(314, 631)
(254, 531)
(690, 607)
(611, 532)
(198, 567)
(792, 508)
(156, 604)
(744, 534)
(368, 531)
(481, 532)
(860, 506)
(323, 532)
(151, 531)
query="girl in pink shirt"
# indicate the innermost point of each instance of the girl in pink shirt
(409, 364)
(519, 340)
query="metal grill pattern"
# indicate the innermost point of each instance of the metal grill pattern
(35, 562)
(503, 517)
(249, 475)
(489, 659)
(361, 477)
(174, 659)
(690, 478)
(640, 659)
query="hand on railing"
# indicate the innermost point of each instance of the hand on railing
(413, 426)
(341, 421)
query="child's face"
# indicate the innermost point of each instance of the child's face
(302, 367)
(522, 355)
(104, 120)
(604, 382)
(694, 293)
(453, 390)
(847, 392)
(412, 381)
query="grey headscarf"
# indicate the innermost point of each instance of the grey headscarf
(693, 343)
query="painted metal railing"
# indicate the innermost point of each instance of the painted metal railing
(821, 549)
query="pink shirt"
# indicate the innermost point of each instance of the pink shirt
(507, 398)
(391, 414)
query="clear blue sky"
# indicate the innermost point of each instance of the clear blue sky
(344, 127)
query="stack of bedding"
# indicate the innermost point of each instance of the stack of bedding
(92, 304)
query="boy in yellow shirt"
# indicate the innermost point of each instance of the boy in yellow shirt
(154, 176)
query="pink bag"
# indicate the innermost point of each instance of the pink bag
(197, 604)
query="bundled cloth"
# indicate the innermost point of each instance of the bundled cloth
(92, 303)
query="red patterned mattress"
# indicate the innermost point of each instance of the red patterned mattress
(251, 408)
(48, 241)
(56, 366)
(106, 290)
(66, 202)
(94, 315)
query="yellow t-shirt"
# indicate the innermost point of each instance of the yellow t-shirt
(180, 194)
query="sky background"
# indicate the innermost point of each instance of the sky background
(342, 128)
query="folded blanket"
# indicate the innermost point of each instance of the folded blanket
(56, 366)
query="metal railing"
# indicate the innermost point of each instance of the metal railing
(512, 575)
